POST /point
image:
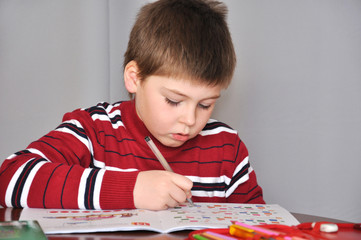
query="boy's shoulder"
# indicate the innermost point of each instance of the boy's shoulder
(217, 135)
(103, 111)
(105, 107)
(214, 127)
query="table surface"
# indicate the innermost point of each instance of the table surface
(14, 214)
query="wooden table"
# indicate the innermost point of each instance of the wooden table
(8, 214)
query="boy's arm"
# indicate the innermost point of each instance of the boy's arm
(30, 181)
(244, 187)
(57, 171)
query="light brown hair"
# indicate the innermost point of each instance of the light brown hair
(183, 38)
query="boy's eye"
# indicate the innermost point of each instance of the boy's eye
(176, 103)
(204, 106)
(171, 102)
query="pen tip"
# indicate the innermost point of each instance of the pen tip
(147, 138)
(190, 202)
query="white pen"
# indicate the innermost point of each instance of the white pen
(161, 159)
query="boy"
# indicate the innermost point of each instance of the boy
(179, 57)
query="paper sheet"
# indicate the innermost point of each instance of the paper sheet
(184, 217)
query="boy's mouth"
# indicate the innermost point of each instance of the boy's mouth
(181, 137)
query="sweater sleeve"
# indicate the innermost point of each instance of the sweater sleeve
(58, 171)
(243, 186)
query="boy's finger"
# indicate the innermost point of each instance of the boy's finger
(172, 202)
(178, 195)
(182, 182)
(189, 194)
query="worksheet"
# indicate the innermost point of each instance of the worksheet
(184, 217)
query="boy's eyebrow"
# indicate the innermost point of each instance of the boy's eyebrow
(184, 95)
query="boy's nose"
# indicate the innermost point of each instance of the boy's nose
(188, 117)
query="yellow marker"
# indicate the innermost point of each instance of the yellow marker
(240, 231)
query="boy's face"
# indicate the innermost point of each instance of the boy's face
(174, 110)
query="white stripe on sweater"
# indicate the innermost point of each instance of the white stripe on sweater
(103, 117)
(82, 187)
(216, 130)
(222, 179)
(28, 182)
(26, 188)
(86, 141)
(97, 188)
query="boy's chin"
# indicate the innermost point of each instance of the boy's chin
(173, 145)
(172, 142)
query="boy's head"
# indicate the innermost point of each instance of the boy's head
(180, 56)
(183, 39)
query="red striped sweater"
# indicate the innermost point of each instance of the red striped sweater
(91, 161)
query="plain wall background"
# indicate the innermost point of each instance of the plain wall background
(295, 98)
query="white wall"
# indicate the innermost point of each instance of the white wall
(295, 98)
(53, 59)
(296, 101)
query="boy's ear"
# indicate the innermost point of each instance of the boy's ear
(131, 76)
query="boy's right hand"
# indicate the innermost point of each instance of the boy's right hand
(158, 190)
